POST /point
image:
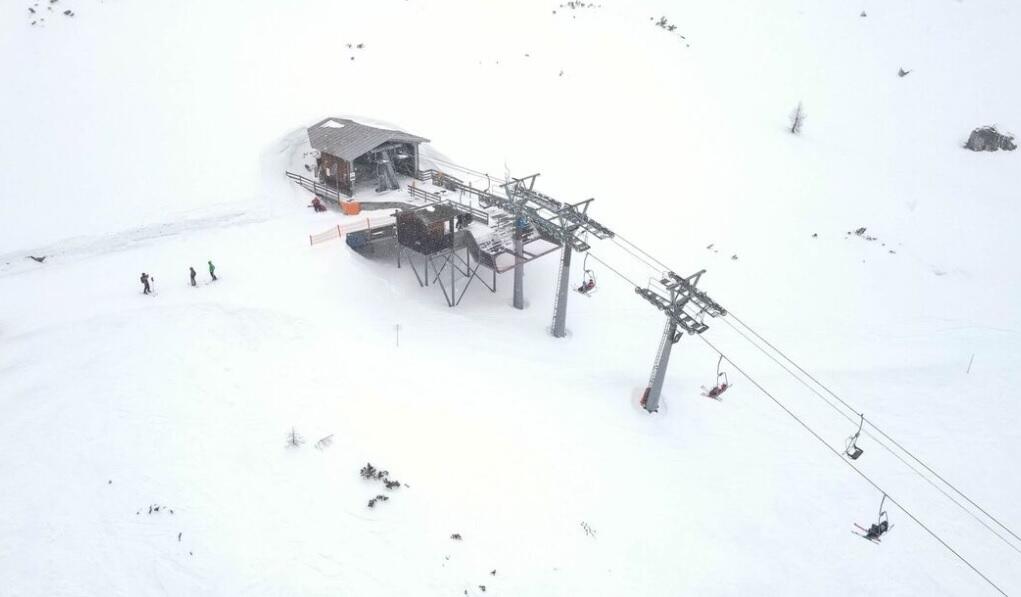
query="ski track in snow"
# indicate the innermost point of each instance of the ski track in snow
(18, 261)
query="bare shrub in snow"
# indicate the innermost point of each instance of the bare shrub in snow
(797, 119)
(294, 439)
(324, 442)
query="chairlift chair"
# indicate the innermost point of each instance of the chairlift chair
(588, 283)
(879, 528)
(851, 449)
(723, 374)
(883, 516)
(721, 386)
(588, 280)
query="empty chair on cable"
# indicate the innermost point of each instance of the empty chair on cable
(851, 448)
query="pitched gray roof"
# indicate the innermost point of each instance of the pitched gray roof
(347, 139)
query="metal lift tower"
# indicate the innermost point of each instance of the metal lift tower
(562, 221)
(677, 295)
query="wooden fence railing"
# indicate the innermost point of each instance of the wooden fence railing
(420, 193)
(325, 191)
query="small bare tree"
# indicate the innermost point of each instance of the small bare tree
(797, 119)
(294, 439)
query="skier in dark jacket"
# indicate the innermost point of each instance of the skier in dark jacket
(877, 530)
(145, 283)
(212, 270)
(192, 271)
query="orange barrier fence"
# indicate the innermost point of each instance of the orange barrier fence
(332, 233)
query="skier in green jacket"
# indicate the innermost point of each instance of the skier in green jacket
(212, 270)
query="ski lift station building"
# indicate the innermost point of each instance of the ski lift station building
(350, 152)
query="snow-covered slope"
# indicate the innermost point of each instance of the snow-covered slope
(152, 137)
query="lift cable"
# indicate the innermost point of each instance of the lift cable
(652, 263)
(791, 373)
(871, 424)
(662, 266)
(637, 256)
(828, 447)
(837, 409)
(609, 267)
(854, 468)
(913, 469)
(731, 315)
(466, 170)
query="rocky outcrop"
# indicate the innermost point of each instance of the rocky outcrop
(987, 138)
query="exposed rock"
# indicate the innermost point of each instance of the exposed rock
(987, 138)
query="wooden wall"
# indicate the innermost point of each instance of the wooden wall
(335, 171)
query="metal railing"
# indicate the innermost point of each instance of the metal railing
(321, 190)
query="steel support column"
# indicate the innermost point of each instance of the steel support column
(651, 397)
(519, 272)
(559, 328)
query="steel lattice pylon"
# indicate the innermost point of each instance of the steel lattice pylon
(557, 220)
(685, 307)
